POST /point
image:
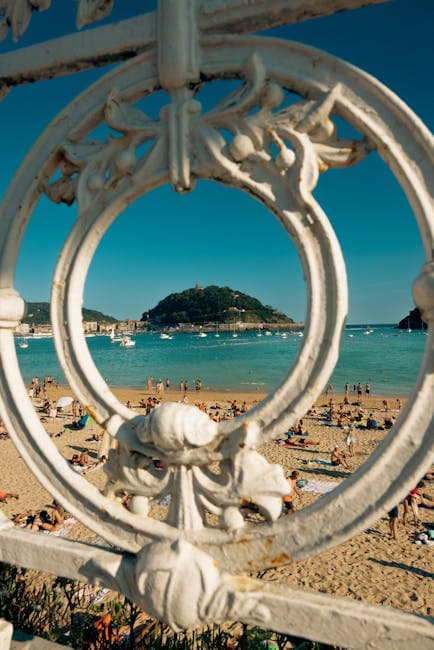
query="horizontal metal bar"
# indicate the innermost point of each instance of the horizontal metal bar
(120, 41)
(77, 52)
(244, 16)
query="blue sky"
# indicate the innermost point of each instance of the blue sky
(166, 242)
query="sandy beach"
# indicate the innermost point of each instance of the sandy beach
(371, 567)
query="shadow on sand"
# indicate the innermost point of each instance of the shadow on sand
(325, 472)
(405, 567)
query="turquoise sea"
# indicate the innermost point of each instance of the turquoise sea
(387, 358)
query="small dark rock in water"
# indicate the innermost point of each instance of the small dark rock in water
(413, 321)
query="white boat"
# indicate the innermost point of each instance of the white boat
(113, 337)
(165, 336)
(217, 335)
(23, 344)
(127, 342)
(202, 335)
(284, 335)
(234, 335)
(368, 330)
(268, 333)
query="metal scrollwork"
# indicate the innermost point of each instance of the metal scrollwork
(186, 442)
(180, 569)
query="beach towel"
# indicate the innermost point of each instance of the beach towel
(321, 461)
(319, 487)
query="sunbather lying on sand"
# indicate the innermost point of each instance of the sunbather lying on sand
(298, 442)
(4, 496)
(81, 459)
(43, 521)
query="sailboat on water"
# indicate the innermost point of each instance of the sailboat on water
(113, 337)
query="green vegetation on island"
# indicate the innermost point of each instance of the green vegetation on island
(214, 304)
(38, 313)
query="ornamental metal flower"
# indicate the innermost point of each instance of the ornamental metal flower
(201, 470)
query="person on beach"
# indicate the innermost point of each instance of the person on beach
(338, 458)
(58, 516)
(3, 433)
(52, 413)
(43, 521)
(411, 502)
(359, 391)
(149, 405)
(367, 390)
(75, 407)
(94, 466)
(81, 459)
(159, 387)
(385, 405)
(398, 404)
(168, 384)
(288, 502)
(350, 440)
(81, 423)
(297, 442)
(371, 422)
(329, 389)
(149, 384)
(4, 496)
(393, 521)
(389, 421)
(347, 389)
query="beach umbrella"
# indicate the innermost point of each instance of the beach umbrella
(64, 401)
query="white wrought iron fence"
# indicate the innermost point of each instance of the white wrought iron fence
(179, 569)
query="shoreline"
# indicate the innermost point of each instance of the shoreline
(260, 393)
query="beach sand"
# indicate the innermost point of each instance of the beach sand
(370, 567)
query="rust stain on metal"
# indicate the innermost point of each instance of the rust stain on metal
(279, 559)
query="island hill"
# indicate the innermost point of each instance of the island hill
(215, 307)
(38, 313)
